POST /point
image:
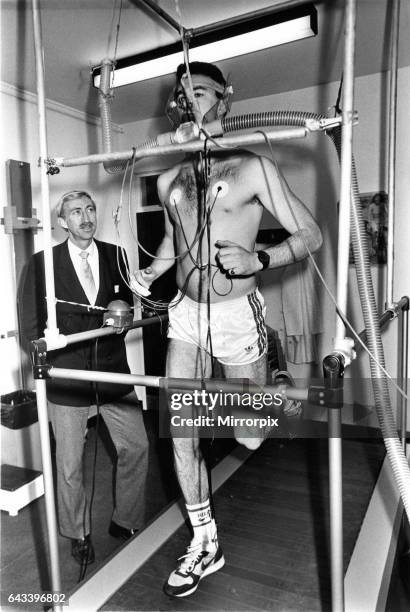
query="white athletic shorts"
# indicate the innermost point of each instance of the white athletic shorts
(237, 327)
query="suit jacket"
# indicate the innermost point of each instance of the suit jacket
(107, 353)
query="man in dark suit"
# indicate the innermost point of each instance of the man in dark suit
(87, 276)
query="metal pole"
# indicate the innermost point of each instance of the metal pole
(346, 165)
(188, 147)
(385, 318)
(404, 348)
(187, 384)
(45, 193)
(91, 334)
(333, 366)
(335, 439)
(48, 486)
(394, 51)
(163, 14)
(109, 331)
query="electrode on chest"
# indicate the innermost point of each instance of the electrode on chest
(175, 196)
(220, 189)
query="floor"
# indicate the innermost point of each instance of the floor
(272, 520)
(273, 525)
(23, 554)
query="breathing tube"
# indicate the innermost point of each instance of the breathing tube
(288, 118)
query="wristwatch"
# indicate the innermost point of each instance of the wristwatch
(264, 258)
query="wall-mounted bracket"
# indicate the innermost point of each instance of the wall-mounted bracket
(12, 222)
(51, 166)
(41, 369)
(328, 123)
(326, 397)
(11, 333)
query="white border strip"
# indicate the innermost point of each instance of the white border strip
(368, 576)
(69, 111)
(103, 583)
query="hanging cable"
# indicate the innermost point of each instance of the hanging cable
(339, 96)
(117, 35)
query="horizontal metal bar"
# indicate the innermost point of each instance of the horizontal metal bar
(227, 142)
(107, 377)
(109, 331)
(385, 318)
(403, 304)
(52, 342)
(184, 384)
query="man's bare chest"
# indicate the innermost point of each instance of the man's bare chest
(223, 188)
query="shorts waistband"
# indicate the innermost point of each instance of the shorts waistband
(214, 305)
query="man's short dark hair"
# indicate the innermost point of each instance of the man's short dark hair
(209, 70)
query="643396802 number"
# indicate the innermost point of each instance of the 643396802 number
(45, 597)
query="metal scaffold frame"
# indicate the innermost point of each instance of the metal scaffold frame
(334, 364)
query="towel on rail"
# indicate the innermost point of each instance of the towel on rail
(301, 312)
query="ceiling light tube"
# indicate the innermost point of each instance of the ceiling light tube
(228, 41)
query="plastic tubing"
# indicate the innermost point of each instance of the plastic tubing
(384, 411)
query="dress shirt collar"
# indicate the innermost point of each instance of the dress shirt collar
(75, 250)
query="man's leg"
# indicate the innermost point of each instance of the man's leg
(127, 430)
(256, 372)
(185, 360)
(203, 556)
(69, 425)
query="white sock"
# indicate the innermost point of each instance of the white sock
(202, 522)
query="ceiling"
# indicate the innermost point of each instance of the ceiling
(78, 34)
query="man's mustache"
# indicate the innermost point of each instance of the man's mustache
(86, 225)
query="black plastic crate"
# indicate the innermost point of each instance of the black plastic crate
(18, 409)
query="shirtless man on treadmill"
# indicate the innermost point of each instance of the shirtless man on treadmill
(218, 211)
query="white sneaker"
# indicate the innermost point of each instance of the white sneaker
(199, 561)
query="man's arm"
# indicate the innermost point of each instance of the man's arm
(165, 252)
(272, 191)
(276, 196)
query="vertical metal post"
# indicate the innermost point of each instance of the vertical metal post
(404, 373)
(333, 369)
(346, 166)
(334, 362)
(392, 110)
(45, 193)
(51, 311)
(48, 485)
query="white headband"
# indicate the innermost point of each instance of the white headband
(204, 81)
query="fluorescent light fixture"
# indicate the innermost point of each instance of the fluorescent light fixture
(247, 36)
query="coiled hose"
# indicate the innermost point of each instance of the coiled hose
(104, 103)
(384, 410)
